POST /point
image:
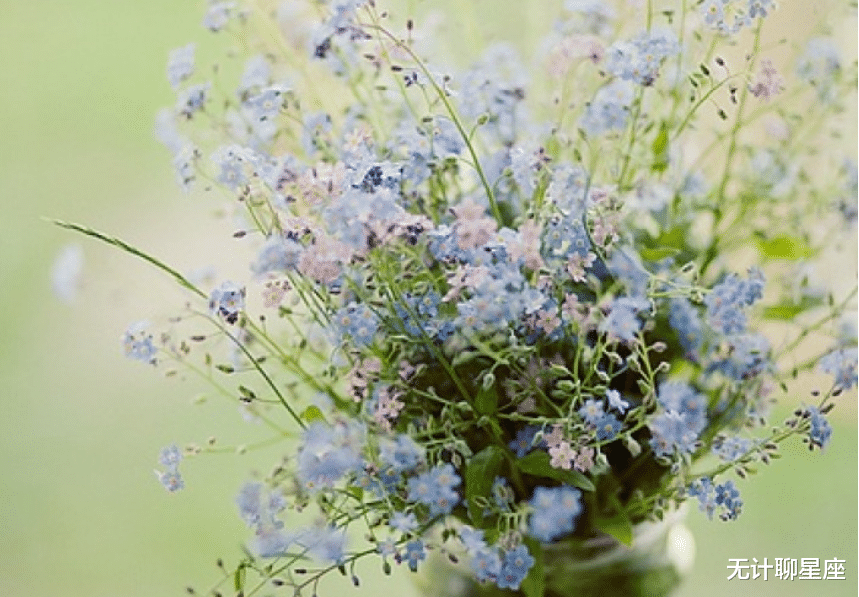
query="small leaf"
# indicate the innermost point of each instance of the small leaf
(660, 149)
(239, 577)
(784, 247)
(312, 413)
(247, 394)
(618, 526)
(479, 476)
(486, 402)
(659, 253)
(789, 310)
(537, 463)
(674, 238)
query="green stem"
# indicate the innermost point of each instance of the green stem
(116, 242)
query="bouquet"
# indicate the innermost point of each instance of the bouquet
(510, 306)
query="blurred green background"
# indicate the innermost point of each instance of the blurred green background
(81, 513)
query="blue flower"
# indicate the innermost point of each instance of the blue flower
(680, 397)
(228, 300)
(820, 431)
(703, 489)
(639, 59)
(724, 497)
(555, 511)
(684, 318)
(728, 496)
(615, 401)
(727, 301)
(472, 539)
(327, 543)
(415, 553)
(259, 509)
(514, 568)
(608, 426)
(170, 456)
(842, 364)
(419, 314)
(218, 15)
(271, 542)
(524, 441)
(447, 140)
(180, 65)
(357, 321)
(486, 564)
(401, 455)
(731, 448)
(404, 523)
(256, 74)
(278, 255)
(745, 356)
(316, 126)
(192, 99)
(435, 488)
(171, 480)
(138, 343)
(622, 321)
(609, 110)
(672, 433)
(328, 453)
(819, 65)
(626, 266)
(266, 104)
(592, 411)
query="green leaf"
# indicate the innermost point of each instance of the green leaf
(784, 247)
(660, 149)
(356, 492)
(479, 476)
(659, 253)
(674, 238)
(247, 393)
(312, 413)
(618, 526)
(789, 310)
(486, 402)
(239, 577)
(534, 585)
(537, 463)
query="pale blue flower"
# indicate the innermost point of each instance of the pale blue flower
(842, 365)
(515, 567)
(180, 65)
(404, 523)
(615, 401)
(415, 553)
(228, 301)
(555, 511)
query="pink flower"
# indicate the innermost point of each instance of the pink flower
(562, 455)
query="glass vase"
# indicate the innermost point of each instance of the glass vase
(652, 566)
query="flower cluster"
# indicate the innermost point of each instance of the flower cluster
(170, 478)
(498, 316)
